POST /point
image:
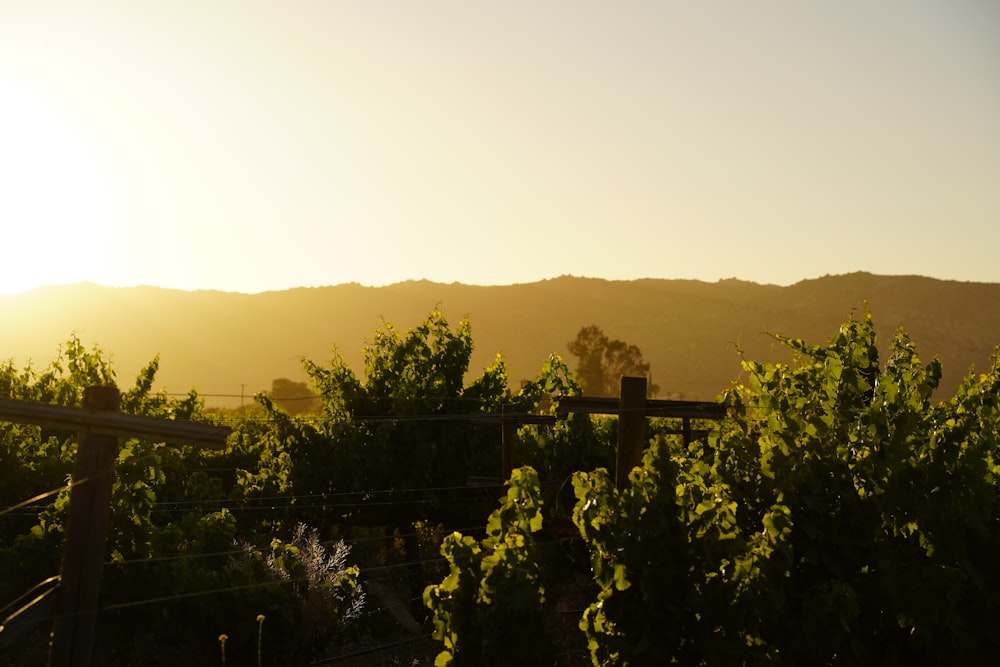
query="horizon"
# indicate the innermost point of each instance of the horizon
(730, 279)
(89, 283)
(248, 147)
(221, 343)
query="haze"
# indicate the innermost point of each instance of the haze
(251, 146)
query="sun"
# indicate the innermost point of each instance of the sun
(53, 204)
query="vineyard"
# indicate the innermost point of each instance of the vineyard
(835, 516)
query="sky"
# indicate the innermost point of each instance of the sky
(252, 146)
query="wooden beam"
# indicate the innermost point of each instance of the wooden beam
(103, 423)
(588, 405)
(653, 407)
(686, 409)
(481, 418)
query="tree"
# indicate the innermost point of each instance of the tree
(602, 362)
(295, 398)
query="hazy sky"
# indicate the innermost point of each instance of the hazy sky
(251, 146)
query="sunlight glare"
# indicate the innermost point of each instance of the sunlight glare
(53, 207)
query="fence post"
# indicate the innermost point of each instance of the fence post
(75, 621)
(631, 427)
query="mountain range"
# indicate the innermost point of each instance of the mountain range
(229, 345)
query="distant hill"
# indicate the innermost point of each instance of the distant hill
(226, 343)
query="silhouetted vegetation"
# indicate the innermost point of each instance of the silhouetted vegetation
(688, 331)
(601, 362)
(838, 516)
(295, 398)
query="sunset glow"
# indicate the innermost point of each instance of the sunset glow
(250, 147)
(54, 203)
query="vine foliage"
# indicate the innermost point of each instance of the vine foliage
(492, 598)
(837, 517)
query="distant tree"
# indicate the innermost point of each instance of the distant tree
(601, 362)
(293, 397)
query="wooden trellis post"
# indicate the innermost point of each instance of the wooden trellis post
(99, 425)
(509, 422)
(631, 427)
(75, 622)
(632, 409)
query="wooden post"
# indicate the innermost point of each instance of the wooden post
(509, 426)
(74, 609)
(75, 619)
(631, 427)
